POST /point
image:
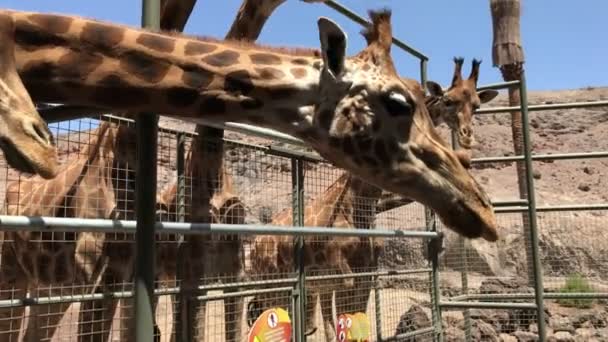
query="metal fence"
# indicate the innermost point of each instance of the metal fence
(245, 260)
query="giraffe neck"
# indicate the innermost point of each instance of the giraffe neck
(72, 60)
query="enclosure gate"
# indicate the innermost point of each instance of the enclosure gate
(146, 188)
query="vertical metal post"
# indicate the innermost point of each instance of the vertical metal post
(423, 65)
(464, 280)
(147, 131)
(537, 268)
(431, 225)
(297, 181)
(181, 325)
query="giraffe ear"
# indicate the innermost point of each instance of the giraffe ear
(333, 45)
(434, 88)
(487, 95)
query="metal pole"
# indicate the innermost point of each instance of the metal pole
(297, 178)
(538, 274)
(147, 131)
(181, 325)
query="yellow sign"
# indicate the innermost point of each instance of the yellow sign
(273, 325)
(353, 328)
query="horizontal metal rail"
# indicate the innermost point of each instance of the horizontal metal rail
(500, 85)
(548, 208)
(529, 296)
(363, 22)
(68, 224)
(242, 293)
(541, 107)
(74, 298)
(409, 335)
(486, 305)
(367, 274)
(543, 157)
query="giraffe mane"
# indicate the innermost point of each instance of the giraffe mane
(245, 44)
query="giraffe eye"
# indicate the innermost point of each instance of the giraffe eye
(396, 104)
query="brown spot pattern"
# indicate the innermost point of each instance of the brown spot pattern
(52, 23)
(264, 58)
(270, 73)
(115, 91)
(198, 48)
(380, 151)
(222, 59)
(31, 37)
(238, 82)
(78, 65)
(181, 96)
(144, 67)
(298, 72)
(102, 35)
(156, 42)
(300, 61)
(196, 77)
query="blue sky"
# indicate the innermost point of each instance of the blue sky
(565, 44)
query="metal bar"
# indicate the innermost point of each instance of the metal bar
(536, 263)
(66, 299)
(368, 274)
(528, 296)
(266, 283)
(541, 157)
(181, 324)
(500, 85)
(541, 107)
(297, 183)
(486, 305)
(410, 336)
(241, 293)
(145, 203)
(423, 72)
(571, 207)
(65, 224)
(363, 22)
(509, 203)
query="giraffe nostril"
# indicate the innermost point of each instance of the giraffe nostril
(42, 131)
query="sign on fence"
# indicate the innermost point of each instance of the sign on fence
(273, 325)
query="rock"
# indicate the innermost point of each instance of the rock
(536, 174)
(453, 334)
(534, 123)
(561, 323)
(507, 338)
(584, 187)
(413, 319)
(503, 285)
(482, 331)
(482, 257)
(563, 336)
(588, 170)
(584, 334)
(525, 336)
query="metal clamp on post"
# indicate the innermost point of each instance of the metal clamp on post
(434, 247)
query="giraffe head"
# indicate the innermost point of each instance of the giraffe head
(385, 134)
(457, 104)
(25, 139)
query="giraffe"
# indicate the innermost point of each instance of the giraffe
(349, 202)
(360, 108)
(97, 184)
(25, 139)
(456, 105)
